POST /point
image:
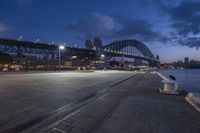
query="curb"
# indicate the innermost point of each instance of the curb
(194, 100)
(162, 76)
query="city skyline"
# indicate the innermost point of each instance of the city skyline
(183, 60)
(170, 29)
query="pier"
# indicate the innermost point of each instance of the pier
(99, 66)
(100, 101)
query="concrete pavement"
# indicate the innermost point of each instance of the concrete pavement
(100, 102)
(145, 110)
(24, 97)
(132, 106)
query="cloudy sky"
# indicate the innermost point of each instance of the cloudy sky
(170, 29)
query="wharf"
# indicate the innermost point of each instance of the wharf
(132, 106)
(95, 102)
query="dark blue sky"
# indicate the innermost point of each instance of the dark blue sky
(169, 29)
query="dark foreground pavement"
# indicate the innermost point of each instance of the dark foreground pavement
(131, 104)
(144, 110)
(27, 99)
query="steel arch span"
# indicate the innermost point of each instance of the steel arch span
(127, 46)
(119, 45)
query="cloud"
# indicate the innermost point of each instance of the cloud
(3, 28)
(186, 17)
(114, 27)
(186, 21)
(138, 28)
(191, 42)
(92, 25)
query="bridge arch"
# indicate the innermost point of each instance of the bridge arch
(119, 45)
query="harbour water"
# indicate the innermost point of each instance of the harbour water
(189, 79)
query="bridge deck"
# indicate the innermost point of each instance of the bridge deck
(69, 50)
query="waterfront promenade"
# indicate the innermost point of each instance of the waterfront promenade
(101, 102)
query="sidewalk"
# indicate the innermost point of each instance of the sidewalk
(147, 111)
(135, 106)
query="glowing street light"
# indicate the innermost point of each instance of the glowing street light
(102, 56)
(37, 40)
(61, 47)
(102, 59)
(20, 38)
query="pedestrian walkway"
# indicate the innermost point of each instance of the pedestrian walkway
(132, 106)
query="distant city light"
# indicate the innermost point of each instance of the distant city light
(74, 57)
(61, 47)
(102, 56)
(20, 38)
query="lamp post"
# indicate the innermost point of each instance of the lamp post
(20, 53)
(61, 47)
(102, 59)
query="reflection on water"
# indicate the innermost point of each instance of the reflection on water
(189, 79)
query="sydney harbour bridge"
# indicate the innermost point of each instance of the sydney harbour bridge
(92, 50)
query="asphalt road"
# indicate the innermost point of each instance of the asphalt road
(24, 97)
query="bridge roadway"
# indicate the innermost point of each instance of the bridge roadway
(101, 102)
(11, 45)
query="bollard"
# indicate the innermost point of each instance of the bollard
(170, 87)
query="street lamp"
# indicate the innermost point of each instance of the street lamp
(61, 47)
(37, 40)
(102, 56)
(20, 38)
(102, 59)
